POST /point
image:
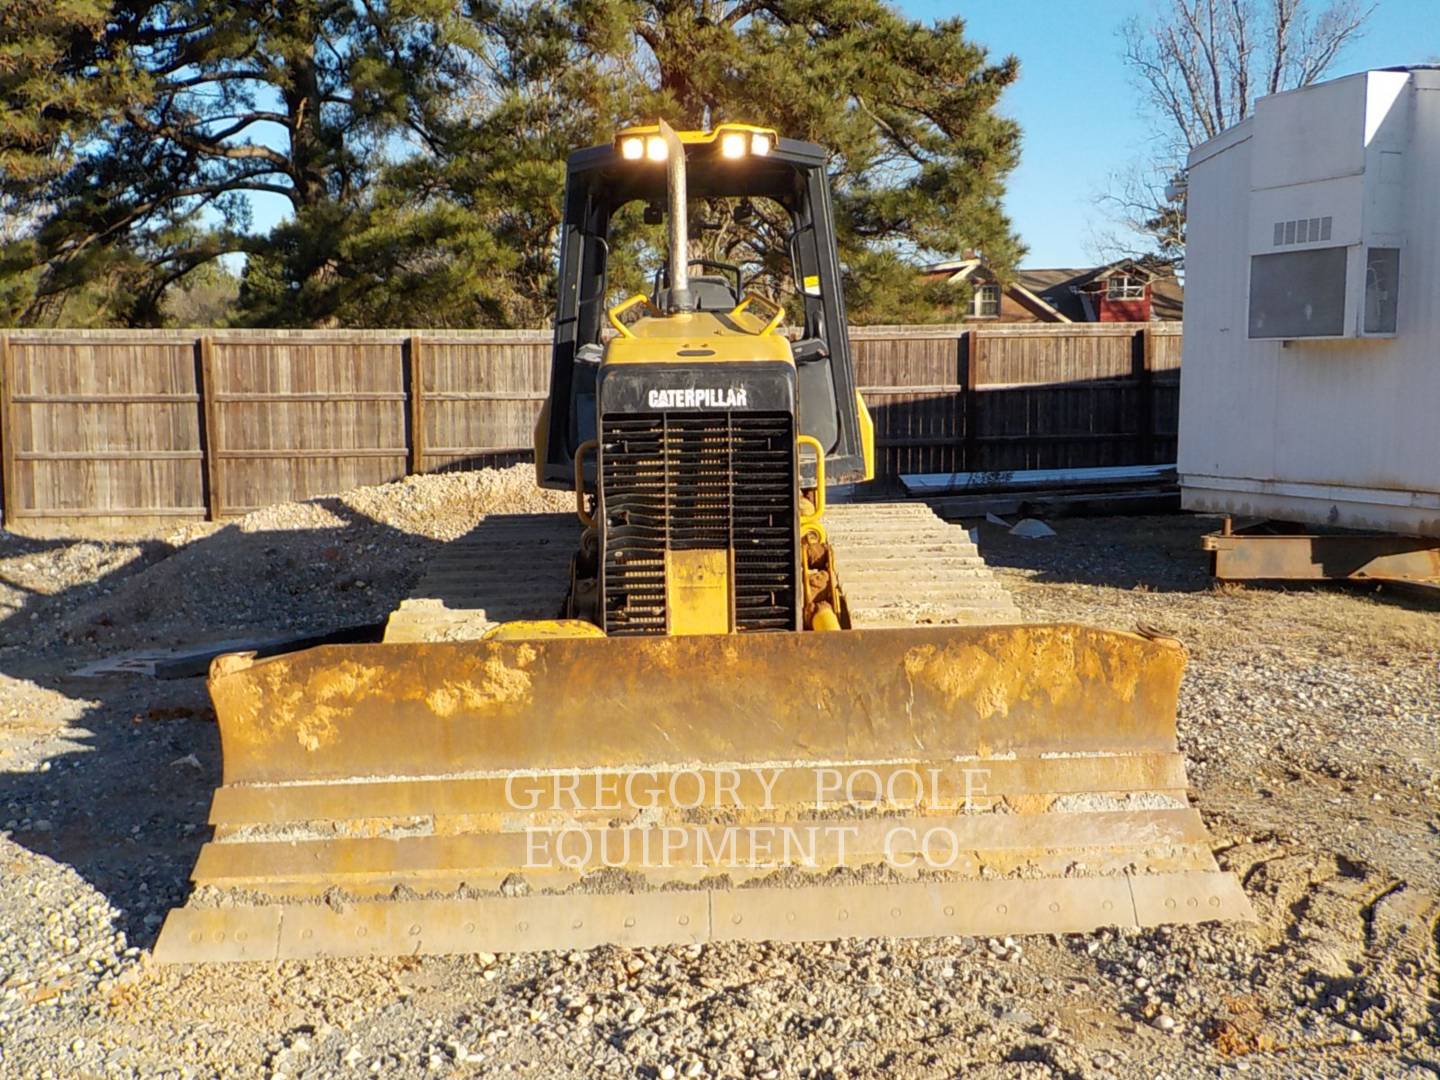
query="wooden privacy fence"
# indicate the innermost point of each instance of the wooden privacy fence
(1027, 396)
(127, 427)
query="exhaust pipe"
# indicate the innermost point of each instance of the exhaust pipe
(679, 224)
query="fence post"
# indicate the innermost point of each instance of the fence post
(212, 475)
(1143, 364)
(8, 494)
(415, 400)
(969, 398)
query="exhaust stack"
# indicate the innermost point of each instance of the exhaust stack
(679, 224)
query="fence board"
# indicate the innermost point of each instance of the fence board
(298, 418)
(7, 425)
(103, 429)
(117, 426)
(481, 400)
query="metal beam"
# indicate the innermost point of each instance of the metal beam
(1360, 557)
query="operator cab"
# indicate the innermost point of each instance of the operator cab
(733, 162)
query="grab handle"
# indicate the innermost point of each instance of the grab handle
(814, 519)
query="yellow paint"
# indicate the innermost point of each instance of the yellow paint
(697, 591)
(619, 309)
(309, 709)
(811, 520)
(777, 311)
(542, 630)
(1046, 665)
(867, 436)
(993, 676)
(698, 337)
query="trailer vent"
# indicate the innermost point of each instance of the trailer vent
(1313, 230)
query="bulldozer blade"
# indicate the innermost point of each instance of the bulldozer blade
(564, 793)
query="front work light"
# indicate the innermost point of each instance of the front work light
(730, 141)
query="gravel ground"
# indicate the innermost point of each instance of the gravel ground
(1309, 718)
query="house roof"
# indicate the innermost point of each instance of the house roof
(1062, 291)
(961, 269)
(1062, 288)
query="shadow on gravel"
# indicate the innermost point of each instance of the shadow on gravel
(1158, 552)
(17, 630)
(121, 793)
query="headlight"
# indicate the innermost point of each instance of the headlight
(759, 144)
(732, 145)
(655, 148)
(632, 148)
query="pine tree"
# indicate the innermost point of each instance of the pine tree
(205, 104)
(907, 109)
(420, 147)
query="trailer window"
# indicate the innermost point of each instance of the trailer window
(1298, 294)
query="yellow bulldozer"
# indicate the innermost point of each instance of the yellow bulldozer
(711, 738)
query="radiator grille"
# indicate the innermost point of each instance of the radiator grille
(688, 481)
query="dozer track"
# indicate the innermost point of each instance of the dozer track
(902, 564)
(438, 793)
(899, 564)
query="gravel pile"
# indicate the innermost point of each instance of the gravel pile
(1309, 718)
(60, 945)
(41, 579)
(294, 568)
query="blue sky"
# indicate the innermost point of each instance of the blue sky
(1077, 108)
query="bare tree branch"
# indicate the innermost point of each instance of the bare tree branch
(1198, 63)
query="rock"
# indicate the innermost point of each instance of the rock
(515, 885)
(1031, 529)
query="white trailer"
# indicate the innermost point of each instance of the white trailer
(1311, 379)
